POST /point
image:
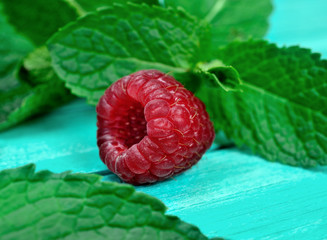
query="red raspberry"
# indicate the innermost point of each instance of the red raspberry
(151, 128)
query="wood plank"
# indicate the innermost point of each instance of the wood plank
(241, 196)
(62, 140)
(299, 22)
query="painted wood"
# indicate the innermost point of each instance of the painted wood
(63, 140)
(241, 196)
(300, 22)
(230, 193)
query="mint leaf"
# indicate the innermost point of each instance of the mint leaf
(150, 2)
(12, 48)
(217, 75)
(45, 205)
(49, 89)
(280, 111)
(38, 20)
(100, 48)
(230, 19)
(84, 6)
(38, 90)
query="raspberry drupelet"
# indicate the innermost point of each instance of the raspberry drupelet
(150, 127)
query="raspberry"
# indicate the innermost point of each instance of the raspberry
(151, 128)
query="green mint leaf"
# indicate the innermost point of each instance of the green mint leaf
(102, 47)
(44, 205)
(48, 88)
(230, 19)
(280, 111)
(11, 102)
(150, 2)
(13, 47)
(84, 6)
(215, 74)
(38, 20)
(38, 90)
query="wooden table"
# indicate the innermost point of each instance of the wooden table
(229, 193)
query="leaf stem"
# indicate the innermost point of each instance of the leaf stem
(215, 10)
(79, 10)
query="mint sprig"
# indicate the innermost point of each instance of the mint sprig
(268, 98)
(102, 47)
(43, 205)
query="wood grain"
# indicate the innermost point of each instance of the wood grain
(240, 196)
(63, 140)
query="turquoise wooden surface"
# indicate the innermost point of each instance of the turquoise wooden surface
(300, 22)
(230, 193)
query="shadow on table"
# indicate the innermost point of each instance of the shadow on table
(321, 169)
